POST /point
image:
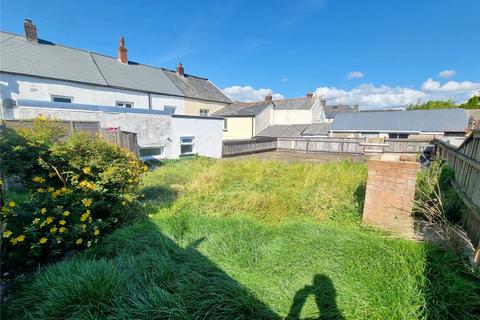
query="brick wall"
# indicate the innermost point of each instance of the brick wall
(389, 195)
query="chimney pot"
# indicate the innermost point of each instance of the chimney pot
(268, 97)
(180, 70)
(122, 51)
(30, 30)
(309, 94)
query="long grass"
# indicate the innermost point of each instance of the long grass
(205, 261)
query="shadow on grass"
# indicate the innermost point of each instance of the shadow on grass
(138, 272)
(160, 195)
(360, 196)
(325, 298)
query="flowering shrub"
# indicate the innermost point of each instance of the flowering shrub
(78, 188)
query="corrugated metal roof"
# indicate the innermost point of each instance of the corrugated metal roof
(196, 87)
(317, 129)
(294, 104)
(442, 120)
(283, 131)
(50, 60)
(248, 109)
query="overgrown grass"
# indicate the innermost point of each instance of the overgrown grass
(208, 261)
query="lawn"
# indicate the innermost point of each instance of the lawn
(252, 240)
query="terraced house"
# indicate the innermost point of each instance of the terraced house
(167, 109)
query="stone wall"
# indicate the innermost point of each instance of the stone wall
(390, 193)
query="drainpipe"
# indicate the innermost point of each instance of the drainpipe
(149, 101)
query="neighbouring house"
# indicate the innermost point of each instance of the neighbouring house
(167, 109)
(332, 110)
(246, 120)
(416, 124)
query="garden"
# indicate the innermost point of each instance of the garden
(206, 239)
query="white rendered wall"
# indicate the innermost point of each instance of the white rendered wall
(35, 88)
(262, 120)
(208, 135)
(292, 116)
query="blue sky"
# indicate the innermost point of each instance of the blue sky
(392, 50)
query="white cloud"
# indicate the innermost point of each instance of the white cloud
(285, 79)
(371, 96)
(248, 94)
(355, 75)
(447, 73)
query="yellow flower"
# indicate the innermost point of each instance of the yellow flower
(129, 180)
(86, 202)
(52, 174)
(20, 238)
(36, 220)
(62, 222)
(49, 220)
(96, 232)
(66, 213)
(53, 229)
(43, 210)
(86, 170)
(51, 189)
(79, 241)
(40, 190)
(38, 179)
(63, 189)
(7, 233)
(41, 118)
(14, 241)
(42, 240)
(61, 229)
(11, 204)
(5, 209)
(83, 217)
(84, 226)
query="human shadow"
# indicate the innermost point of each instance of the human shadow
(325, 298)
(359, 195)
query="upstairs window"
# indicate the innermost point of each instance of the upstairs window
(169, 109)
(62, 99)
(204, 112)
(398, 135)
(124, 104)
(187, 145)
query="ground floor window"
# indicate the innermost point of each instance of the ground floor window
(398, 135)
(187, 145)
(204, 112)
(124, 104)
(169, 109)
(62, 99)
(154, 152)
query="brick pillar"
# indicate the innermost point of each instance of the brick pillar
(390, 194)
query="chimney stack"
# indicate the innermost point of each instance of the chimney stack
(310, 95)
(30, 30)
(268, 97)
(122, 51)
(180, 69)
(323, 102)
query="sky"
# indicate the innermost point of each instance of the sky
(372, 53)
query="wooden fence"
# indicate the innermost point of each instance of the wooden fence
(352, 145)
(239, 147)
(125, 139)
(465, 162)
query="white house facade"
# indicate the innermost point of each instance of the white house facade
(169, 110)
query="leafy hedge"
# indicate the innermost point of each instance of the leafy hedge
(76, 187)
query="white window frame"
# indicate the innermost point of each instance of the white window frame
(54, 96)
(172, 107)
(204, 112)
(123, 104)
(153, 157)
(187, 144)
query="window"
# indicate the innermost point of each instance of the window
(152, 152)
(187, 145)
(204, 112)
(398, 135)
(169, 109)
(225, 124)
(124, 104)
(62, 99)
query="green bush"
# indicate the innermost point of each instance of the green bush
(75, 188)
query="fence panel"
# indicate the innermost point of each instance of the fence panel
(239, 147)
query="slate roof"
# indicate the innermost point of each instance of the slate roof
(239, 109)
(332, 110)
(441, 120)
(196, 87)
(317, 129)
(294, 104)
(50, 60)
(294, 130)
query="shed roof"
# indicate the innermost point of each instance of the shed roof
(283, 131)
(317, 129)
(442, 120)
(49, 60)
